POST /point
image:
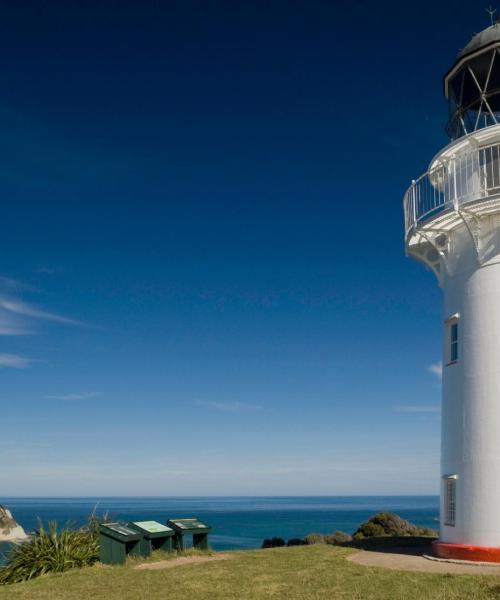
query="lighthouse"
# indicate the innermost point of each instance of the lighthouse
(452, 225)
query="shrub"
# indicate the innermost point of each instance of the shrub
(53, 551)
(296, 542)
(338, 538)
(386, 524)
(274, 542)
(315, 538)
(428, 532)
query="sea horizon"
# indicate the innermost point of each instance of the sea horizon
(65, 496)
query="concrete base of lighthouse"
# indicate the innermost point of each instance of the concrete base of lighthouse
(466, 552)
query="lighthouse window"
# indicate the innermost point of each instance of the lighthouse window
(450, 504)
(452, 340)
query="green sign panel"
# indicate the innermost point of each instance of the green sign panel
(116, 527)
(189, 524)
(152, 526)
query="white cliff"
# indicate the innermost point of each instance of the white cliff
(10, 530)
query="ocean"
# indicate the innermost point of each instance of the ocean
(238, 522)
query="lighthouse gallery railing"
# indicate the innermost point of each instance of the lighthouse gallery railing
(469, 177)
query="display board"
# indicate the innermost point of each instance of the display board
(153, 527)
(118, 528)
(189, 524)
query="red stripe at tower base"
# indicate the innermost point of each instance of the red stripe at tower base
(466, 552)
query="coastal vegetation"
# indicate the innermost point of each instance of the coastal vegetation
(339, 538)
(314, 572)
(382, 525)
(386, 524)
(51, 550)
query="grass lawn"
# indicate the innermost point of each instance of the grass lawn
(301, 572)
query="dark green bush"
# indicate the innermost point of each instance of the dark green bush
(338, 538)
(315, 538)
(274, 542)
(296, 542)
(386, 524)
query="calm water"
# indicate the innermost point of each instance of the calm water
(240, 522)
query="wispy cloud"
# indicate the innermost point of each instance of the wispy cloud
(7, 283)
(229, 406)
(18, 317)
(74, 396)
(10, 325)
(432, 408)
(19, 307)
(14, 361)
(436, 369)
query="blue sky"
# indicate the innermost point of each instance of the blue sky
(203, 282)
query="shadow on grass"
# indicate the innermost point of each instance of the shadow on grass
(414, 545)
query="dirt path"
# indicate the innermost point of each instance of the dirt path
(182, 560)
(413, 562)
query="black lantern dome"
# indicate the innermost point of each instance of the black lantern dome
(472, 85)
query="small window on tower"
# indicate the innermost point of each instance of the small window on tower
(450, 500)
(452, 340)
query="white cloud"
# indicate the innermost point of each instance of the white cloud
(19, 307)
(73, 396)
(11, 326)
(432, 408)
(229, 406)
(18, 317)
(14, 361)
(436, 369)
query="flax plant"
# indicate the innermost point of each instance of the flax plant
(52, 550)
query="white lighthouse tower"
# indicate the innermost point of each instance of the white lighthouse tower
(452, 224)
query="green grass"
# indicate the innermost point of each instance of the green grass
(297, 573)
(160, 555)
